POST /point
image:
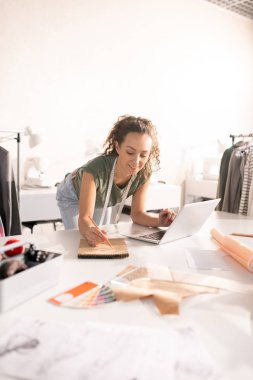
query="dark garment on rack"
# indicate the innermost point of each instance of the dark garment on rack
(224, 173)
(233, 190)
(9, 209)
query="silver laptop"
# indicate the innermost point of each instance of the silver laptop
(187, 222)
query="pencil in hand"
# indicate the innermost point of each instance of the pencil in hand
(105, 238)
(241, 234)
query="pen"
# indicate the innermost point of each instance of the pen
(105, 238)
(241, 234)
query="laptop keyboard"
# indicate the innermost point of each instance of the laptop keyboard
(155, 235)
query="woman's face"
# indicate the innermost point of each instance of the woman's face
(133, 153)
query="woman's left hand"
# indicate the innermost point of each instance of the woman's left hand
(166, 217)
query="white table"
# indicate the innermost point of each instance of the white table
(199, 187)
(161, 195)
(223, 321)
(38, 204)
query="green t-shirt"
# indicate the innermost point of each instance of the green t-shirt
(101, 167)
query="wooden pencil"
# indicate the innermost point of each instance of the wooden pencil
(241, 234)
(105, 238)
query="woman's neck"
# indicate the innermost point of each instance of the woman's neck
(120, 179)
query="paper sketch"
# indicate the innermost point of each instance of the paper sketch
(48, 350)
(206, 259)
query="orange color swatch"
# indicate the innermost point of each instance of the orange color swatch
(72, 293)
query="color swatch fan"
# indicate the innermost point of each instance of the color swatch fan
(85, 295)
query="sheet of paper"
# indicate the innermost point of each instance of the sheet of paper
(206, 259)
(40, 350)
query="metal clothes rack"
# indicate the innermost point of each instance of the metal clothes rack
(233, 137)
(17, 136)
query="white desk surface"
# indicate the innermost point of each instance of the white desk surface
(38, 204)
(223, 321)
(201, 187)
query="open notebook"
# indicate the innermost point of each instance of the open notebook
(103, 251)
(188, 221)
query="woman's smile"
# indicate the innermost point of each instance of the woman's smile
(133, 154)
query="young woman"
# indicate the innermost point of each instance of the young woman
(124, 169)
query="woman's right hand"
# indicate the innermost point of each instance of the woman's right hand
(89, 230)
(95, 236)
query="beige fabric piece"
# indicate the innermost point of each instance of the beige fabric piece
(167, 295)
(216, 282)
(167, 305)
(131, 293)
(239, 251)
(164, 273)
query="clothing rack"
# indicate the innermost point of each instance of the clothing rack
(14, 135)
(233, 137)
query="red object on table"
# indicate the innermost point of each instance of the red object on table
(14, 251)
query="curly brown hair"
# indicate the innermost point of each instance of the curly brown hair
(127, 124)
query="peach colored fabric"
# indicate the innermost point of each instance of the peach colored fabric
(167, 295)
(239, 251)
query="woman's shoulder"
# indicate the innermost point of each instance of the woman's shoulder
(100, 164)
(102, 161)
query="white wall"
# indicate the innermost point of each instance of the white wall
(69, 68)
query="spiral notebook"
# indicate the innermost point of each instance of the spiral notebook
(103, 251)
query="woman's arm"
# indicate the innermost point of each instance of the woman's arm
(93, 235)
(140, 216)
